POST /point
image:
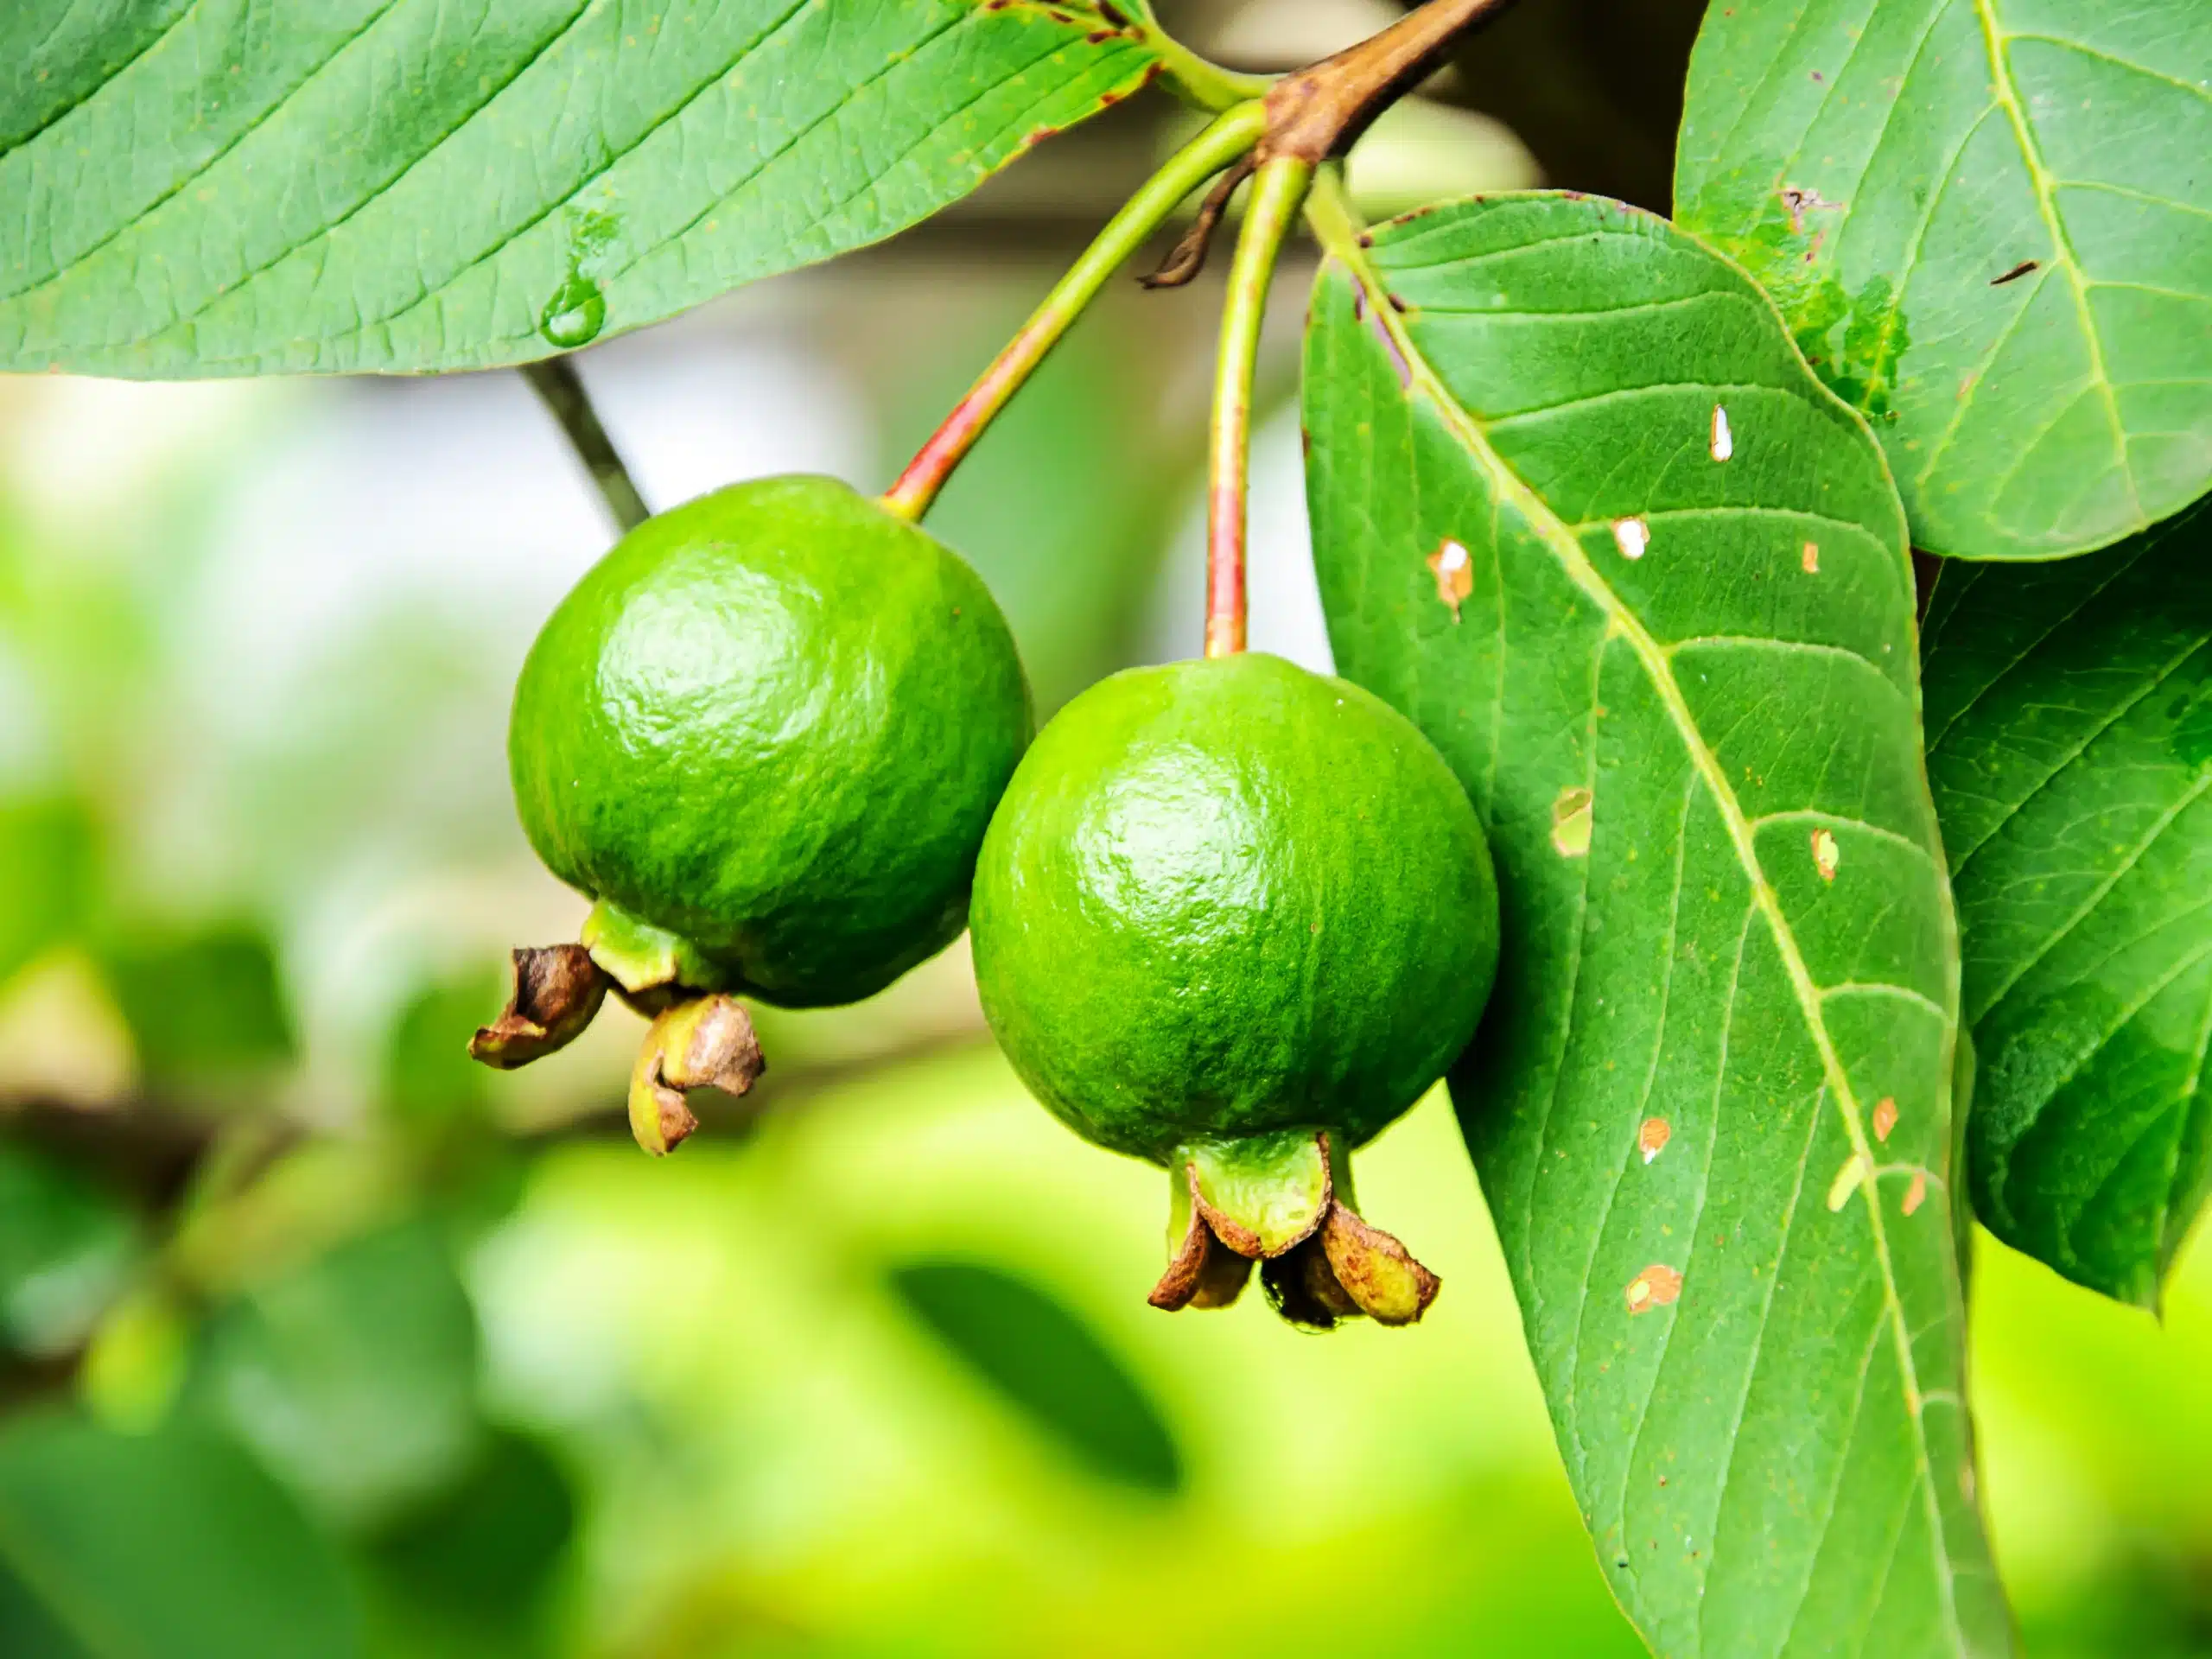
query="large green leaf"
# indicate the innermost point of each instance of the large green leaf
(206, 1009)
(354, 1378)
(166, 1546)
(1989, 223)
(67, 1247)
(2070, 710)
(227, 186)
(1710, 1102)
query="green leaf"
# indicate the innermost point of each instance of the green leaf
(429, 1081)
(206, 1010)
(354, 1377)
(473, 1571)
(1989, 223)
(67, 1250)
(47, 876)
(1048, 1365)
(1710, 1101)
(2070, 711)
(226, 187)
(167, 1546)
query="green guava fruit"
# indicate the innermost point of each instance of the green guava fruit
(765, 735)
(1235, 917)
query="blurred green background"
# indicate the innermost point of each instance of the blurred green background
(316, 1340)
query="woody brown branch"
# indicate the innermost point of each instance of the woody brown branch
(1319, 111)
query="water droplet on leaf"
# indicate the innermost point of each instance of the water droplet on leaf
(575, 314)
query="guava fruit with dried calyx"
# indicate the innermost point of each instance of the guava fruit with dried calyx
(1235, 917)
(765, 734)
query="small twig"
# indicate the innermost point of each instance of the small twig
(1277, 192)
(1188, 256)
(555, 380)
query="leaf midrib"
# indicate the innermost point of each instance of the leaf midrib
(1334, 226)
(2008, 98)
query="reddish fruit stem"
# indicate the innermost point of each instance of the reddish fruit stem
(1219, 145)
(1278, 189)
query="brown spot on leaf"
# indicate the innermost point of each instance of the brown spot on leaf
(1572, 818)
(1811, 559)
(1454, 572)
(1917, 1194)
(1657, 1285)
(1797, 201)
(1825, 854)
(1885, 1117)
(1651, 1139)
(2016, 273)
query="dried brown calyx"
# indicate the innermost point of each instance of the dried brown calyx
(557, 989)
(1283, 1200)
(701, 1037)
(705, 1043)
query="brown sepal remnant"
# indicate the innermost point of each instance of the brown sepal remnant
(558, 990)
(1339, 1269)
(1188, 256)
(1204, 1274)
(1376, 1272)
(708, 1042)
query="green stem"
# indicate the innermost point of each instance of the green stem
(1216, 147)
(1195, 79)
(1277, 190)
(555, 380)
(1336, 224)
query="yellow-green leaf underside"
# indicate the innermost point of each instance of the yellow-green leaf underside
(1582, 513)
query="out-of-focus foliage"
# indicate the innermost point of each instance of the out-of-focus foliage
(173, 1544)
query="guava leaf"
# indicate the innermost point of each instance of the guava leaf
(226, 188)
(206, 1009)
(176, 1543)
(1047, 1364)
(354, 1378)
(1710, 1101)
(2070, 714)
(1989, 223)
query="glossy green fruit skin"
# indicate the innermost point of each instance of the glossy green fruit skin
(1231, 896)
(775, 722)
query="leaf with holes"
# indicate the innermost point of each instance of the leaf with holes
(220, 187)
(1710, 1103)
(1989, 223)
(2070, 709)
